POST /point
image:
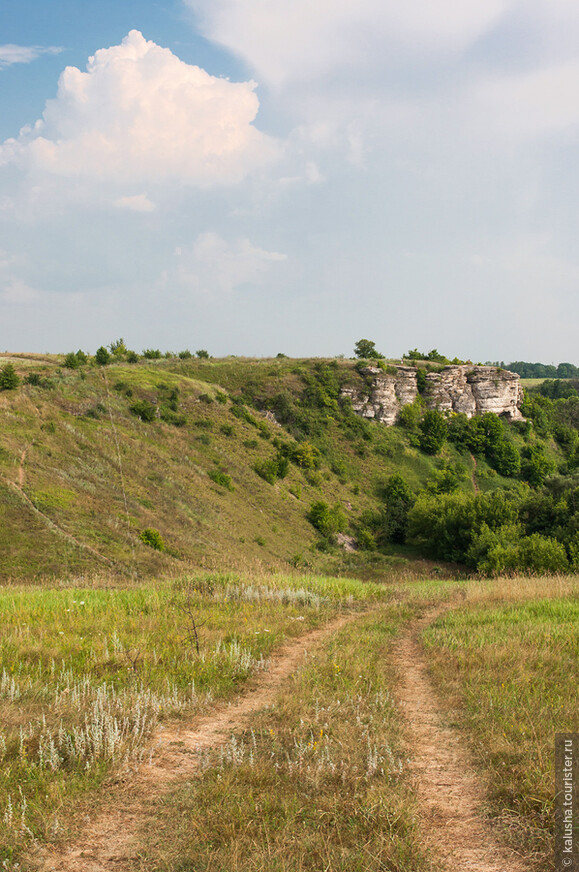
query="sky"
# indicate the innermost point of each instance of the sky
(255, 177)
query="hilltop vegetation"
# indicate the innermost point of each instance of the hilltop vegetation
(156, 463)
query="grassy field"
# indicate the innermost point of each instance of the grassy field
(506, 663)
(86, 674)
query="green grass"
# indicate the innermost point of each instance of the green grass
(86, 674)
(318, 783)
(507, 662)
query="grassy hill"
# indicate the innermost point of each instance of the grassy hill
(221, 459)
(83, 472)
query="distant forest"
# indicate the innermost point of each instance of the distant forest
(544, 370)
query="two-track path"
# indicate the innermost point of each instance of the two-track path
(450, 794)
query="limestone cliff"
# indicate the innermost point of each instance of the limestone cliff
(473, 390)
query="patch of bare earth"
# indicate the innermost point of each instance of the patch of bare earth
(450, 793)
(111, 839)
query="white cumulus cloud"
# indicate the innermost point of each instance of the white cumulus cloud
(139, 113)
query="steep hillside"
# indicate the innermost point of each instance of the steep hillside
(219, 462)
(83, 472)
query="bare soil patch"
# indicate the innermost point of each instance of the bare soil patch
(450, 792)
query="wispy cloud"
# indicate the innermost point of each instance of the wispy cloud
(24, 54)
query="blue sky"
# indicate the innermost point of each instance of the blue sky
(257, 176)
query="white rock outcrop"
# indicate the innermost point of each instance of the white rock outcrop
(472, 390)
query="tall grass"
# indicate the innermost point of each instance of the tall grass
(87, 674)
(507, 662)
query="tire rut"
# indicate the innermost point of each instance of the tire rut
(449, 791)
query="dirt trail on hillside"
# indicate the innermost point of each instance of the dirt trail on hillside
(21, 473)
(19, 488)
(450, 794)
(111, 839)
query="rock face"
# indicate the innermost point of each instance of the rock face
(472, 390)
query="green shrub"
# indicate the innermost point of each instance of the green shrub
(536, 466)
(306, 456)
(171, 417)
(410, 415)
(152, 538)
(144, 410)
(506, 459)
(203, 354)
(33, 378)
(328, 520)
(222, 479)
(185, 355)
(71, 361)
(399, 500)
(365, 540)
(9, 379)
(227, 429)
(132, 357)
(433, 431)
(152, 354)
(102, 356)
(118, 348)
(273, 468)
(542, 554)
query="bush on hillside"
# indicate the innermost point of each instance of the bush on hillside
(152, 538)
(221, 478)
(144, 410)
(102, 356)
(9, 379)
(399, 500)
(433, 431)
(328, 520)
(273, 468)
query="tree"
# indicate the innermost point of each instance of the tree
(364, 349)
(203, 354)
(399, 500)
(433, 431)
(71, 360)
(9, 380)
(102, 356)
(118, 347)
(329, 520)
